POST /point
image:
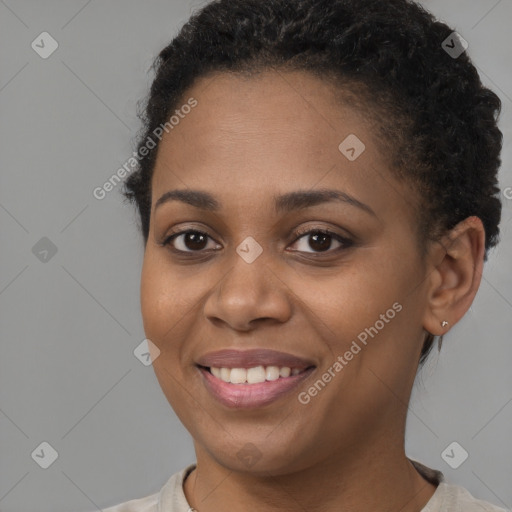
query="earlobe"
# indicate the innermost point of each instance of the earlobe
(455, 275)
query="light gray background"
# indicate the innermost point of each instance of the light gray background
(68, 375)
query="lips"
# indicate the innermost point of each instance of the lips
(230, 358)
(239, 392)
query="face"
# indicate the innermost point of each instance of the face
(288, 264)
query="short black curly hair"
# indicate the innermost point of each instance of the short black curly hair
(437, 123)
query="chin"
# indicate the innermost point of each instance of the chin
(258, 456)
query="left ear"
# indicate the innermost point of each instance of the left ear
(455, 280)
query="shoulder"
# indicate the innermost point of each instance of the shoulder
(451, 497)
(170, 498)
(457, 498)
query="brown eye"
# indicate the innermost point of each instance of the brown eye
(320, 240)
(189, 241)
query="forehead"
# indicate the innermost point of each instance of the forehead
(275, 131)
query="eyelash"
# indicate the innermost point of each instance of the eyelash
(345, 242)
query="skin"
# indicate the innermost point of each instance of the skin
(247, 140)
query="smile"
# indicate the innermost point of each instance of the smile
(253, 375)
(252, 387)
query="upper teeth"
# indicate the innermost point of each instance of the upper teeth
(253, 375)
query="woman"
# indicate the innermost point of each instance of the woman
(317, 188)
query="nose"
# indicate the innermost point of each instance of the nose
(249, 294)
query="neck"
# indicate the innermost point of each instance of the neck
(378, 477)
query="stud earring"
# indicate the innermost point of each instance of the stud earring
(444, 323)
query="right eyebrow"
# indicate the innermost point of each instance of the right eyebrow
(196, 198)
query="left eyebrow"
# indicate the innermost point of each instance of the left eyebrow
(284, 203)
(305, 199)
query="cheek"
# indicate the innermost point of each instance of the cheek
(166, 297)
(346, 300)
(360, 313)
(166, 305)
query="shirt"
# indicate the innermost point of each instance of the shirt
(446, 498)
